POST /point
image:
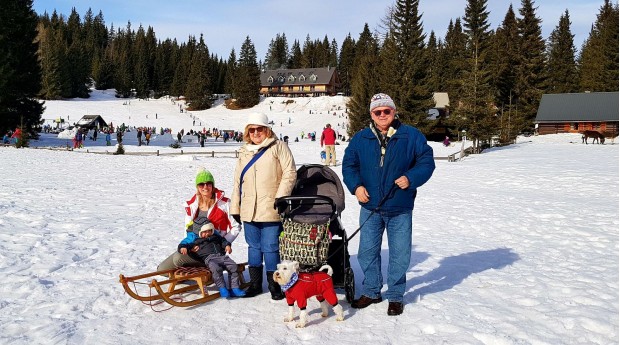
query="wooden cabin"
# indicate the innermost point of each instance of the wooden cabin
(577, 112)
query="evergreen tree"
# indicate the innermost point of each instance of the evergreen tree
(562, 67)
(124, 61)
(277, 54)
(345, 64)
(434, 83)
(365, 80)
(183, 66)
(389, 66)
(413, 98)
(333, 54)
(598, 63)
(531, 69)
(307, 54)
(20, 72)
(476, 112)
(77, 59)
(248, 76)
(231, 72)
(507, 58)
(141, 68)
(199, 90)
(51, 82)
(164, 67)
(455, 54)
(295, 57)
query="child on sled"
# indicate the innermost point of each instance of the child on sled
(212, 249)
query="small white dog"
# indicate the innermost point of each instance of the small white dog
(298, 287)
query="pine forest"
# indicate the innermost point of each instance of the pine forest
(487, 72)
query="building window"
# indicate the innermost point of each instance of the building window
(291, 78)
(270, 79)
(313, 77)
(302, 78)
(281, 79)
(290, 88)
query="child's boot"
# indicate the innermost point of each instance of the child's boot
(224, 293)
(236, 292)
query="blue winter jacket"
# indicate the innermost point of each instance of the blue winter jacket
(407, 153)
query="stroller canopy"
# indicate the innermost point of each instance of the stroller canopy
(313, 183)
(316, 179)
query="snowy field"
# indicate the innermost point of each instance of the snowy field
(518, 245)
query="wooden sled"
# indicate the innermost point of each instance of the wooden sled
(168, 289)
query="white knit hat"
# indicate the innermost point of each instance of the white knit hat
(208, 226)
(381, 100)
(258, 119)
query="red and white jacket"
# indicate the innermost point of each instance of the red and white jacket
(219, 215)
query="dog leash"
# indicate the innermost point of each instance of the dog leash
(375, 210)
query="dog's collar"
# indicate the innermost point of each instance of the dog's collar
(294, 278)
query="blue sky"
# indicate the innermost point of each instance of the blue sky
(226, 23)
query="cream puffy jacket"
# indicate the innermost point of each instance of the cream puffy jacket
(272, 176)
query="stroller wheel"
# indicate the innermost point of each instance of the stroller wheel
(349, 284)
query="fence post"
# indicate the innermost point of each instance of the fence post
(212, 154)
(158, 153)
(181, 151)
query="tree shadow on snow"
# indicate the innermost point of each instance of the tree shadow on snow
(453, 270)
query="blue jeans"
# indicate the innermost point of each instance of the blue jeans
(262, 240)
(369, 255)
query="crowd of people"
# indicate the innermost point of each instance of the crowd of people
(383, 166)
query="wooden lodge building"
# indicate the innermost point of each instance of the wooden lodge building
(577, 112)
(302, 82)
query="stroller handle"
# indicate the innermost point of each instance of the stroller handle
(282, 203)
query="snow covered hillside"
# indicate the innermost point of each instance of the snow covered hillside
(518, 245)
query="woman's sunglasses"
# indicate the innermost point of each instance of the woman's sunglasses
(384, 111)
(257, 129)
(203, 185)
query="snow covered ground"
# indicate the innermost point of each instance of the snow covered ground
(518, 245)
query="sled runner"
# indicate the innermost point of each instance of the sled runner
(173, 288)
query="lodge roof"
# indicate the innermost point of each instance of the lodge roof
(576, 107)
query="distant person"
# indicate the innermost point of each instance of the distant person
(211, 249)
(328, 138)
(108, 138)
(139, 135)
(446, 141)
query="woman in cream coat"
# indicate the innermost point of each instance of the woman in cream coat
(270, 177)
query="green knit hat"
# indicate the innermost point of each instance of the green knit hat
(204, 176)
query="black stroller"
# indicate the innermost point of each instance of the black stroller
(313, 234)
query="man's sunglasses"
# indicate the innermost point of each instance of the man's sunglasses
(257, 129)
(384, 111)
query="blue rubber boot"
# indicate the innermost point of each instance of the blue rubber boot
(224, 293)
(236, 292)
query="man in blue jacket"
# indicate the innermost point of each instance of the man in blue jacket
(383, 166)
